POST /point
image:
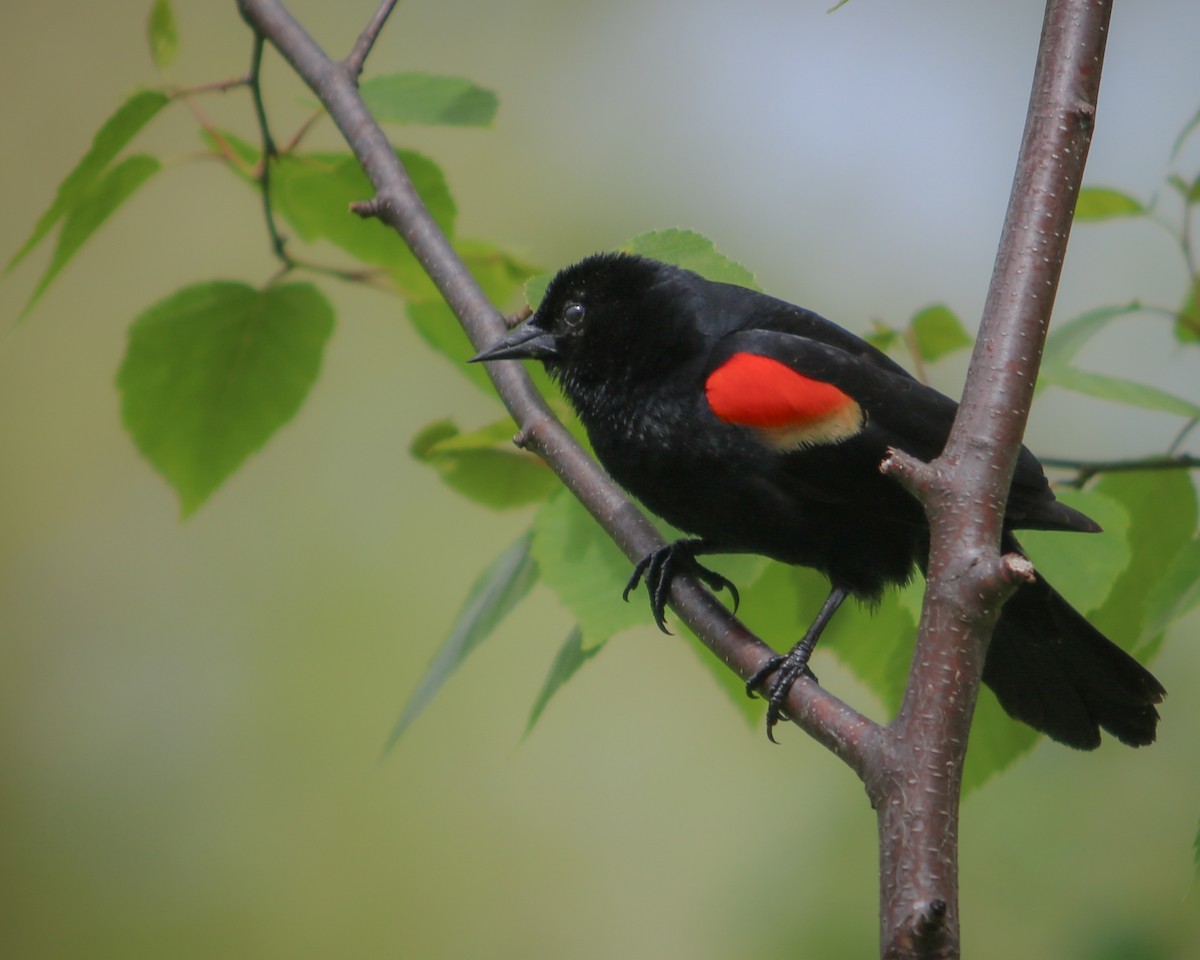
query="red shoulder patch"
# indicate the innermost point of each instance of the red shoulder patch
(757, 391)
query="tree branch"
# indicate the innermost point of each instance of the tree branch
(1085, 470)
(916, 790)
(355, 59)
(819, 713)
(912, 768)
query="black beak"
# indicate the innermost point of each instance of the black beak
(525, 342)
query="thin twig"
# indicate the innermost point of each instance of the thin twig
(213, 86)
(353, 64)
(302, 131)
(1181, 436)
(1085, 470)
(269, 153)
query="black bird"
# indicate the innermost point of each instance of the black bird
(758, 427)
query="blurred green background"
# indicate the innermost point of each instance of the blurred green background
(191, 715)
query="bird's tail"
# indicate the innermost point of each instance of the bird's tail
(1053, 670)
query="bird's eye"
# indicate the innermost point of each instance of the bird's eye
(572, 314)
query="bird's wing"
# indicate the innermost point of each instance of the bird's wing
(800, 392)
(779, 382)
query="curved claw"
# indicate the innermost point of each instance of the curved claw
(636, 578)
(660, 568)
(792, 668)
(761, 674)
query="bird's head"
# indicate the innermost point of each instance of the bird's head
(603, 318)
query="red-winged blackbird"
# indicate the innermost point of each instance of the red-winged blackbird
(759, 427)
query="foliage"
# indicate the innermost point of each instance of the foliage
(214, 369)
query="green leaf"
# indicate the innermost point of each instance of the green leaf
(162, 34)
(1083, 568)
(535, 289)
(875, 645)
(997, 742)
(692, 251)
(439, 328)
(1177, 592)
(584, 568)
(89, 213)
(1067, 339)
(499, 274)
(110, 140)
(1161, 506)
(571, 656)
(314, 191)
(938, 332)
(588, 574)
(244, 153)
(1118, 390)
(1102, 203)
(1187, 323)
(422, 98)
(212, 371)
(484, 466)
(881, 336)
(491, 598)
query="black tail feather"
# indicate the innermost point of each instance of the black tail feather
(1053, 670)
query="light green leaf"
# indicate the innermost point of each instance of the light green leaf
(485, 466)
(1161, 506)
(1102, 203)
(692, 251)
(425, 99)
(491, 598)
(997, 742)
(585, 569)
(938, 332)
(875, 645)
(1067, 339)
(499, 274)
(110, 140)
(588, 573)
(535, 289)
(571, 656)
(314, 192)
(1083, 568)
(245, 155)
(1118, 390)
(881, 336)
(1187, 323)
(1177, 592)
(212, 371)
(439, 328)
(90, 211)
(163, 34)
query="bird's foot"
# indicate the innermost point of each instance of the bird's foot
(790, 668)
(660, 568)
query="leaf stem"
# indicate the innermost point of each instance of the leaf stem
(278, 244)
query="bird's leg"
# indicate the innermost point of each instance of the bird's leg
(795, 663)
(660, 568)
